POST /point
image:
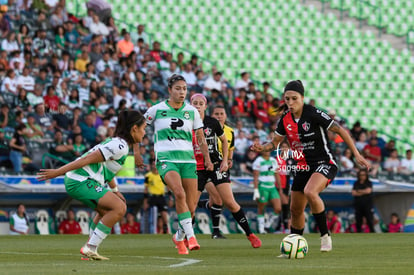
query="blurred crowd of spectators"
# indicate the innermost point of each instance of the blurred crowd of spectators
(64, 79)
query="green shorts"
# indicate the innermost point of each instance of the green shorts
(185, 170)
(268, 194)
(88, 192)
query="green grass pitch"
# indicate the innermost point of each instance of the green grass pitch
(155, 254)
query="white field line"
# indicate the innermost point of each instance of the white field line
(185, 261)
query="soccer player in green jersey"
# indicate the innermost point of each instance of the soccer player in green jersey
(264, 177)
(86, 177)
(174, 122)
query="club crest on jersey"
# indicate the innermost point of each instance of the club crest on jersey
(164, 166)
(306, 126)
(186, 115)
(207, 131)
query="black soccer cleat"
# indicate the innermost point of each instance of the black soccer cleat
(217, 236)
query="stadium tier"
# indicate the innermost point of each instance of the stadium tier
(394, 16)
(342, 68)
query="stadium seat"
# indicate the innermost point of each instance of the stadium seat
(82, 218)
(42, 222)
(203, 222)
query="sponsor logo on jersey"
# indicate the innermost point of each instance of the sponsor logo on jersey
(164, 113)
(306, 126)
(164, 166)
(98, 189)
(289, 127)
(186, 115)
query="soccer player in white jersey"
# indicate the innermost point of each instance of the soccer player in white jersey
(264, 177)
(174, 122)
(86, 177)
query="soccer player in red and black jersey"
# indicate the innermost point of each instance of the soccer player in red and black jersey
(217, 182)
(306, 130)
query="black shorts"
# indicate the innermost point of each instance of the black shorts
(301, 178)
(159, 202)
(214, 176)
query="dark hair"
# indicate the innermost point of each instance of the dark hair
(359, 173)
(295, 85)
(126, 120)
(174, 78)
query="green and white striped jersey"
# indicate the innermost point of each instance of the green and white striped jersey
(267, 170)
(173, 131)
(114, 150)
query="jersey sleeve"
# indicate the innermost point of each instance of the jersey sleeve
(280, 129)
(198, 123)
(150, 115)
(217, 128)
(231, 139)
(114, 149)
(256, 164)
(322, 118)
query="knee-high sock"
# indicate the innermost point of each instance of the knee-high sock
(285, 215)
(242, 221)
(186, 224)
(320, 219)
(215, 212)
(261, 223)
(99, 234)
(92, 227)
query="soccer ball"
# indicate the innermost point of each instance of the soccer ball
(294, 246)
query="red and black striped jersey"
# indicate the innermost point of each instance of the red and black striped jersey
(308, 137)
(212, 131)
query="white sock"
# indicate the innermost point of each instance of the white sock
(261, 222)
(97, 237)
(187, 225)
(180, 234)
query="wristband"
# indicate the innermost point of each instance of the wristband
(115, 189)
(230, 159)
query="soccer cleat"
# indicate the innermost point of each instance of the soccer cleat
(193, 244)
(254, 240)
(180, 245)
(217, 236)
(326, 243)
(92, 254)
(175, 241)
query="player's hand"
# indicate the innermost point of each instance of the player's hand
(209, 165)
(256, 194)
(230, 163)
(47, 174)
(360, 160)
(256, 147)
(139, 161)
(119, 194)
(223, 166)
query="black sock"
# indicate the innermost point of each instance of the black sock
(242, 221)
(203, 204)
(320, 219)
(285, 215)
(296, 231)
(164, 228)
(215, 212)
(193, 221)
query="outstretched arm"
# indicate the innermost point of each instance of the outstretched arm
(268, 147)
(93, 157)
(336, 128)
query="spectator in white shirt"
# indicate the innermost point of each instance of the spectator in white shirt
(104, 62)
(10, 44)
(10, 83)
(97, 27)
(407, 164)
(26, 80)
(36, 97)
(214, 82)
(392, 163)
(140, 34)
(189, 76)
(243, 82)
